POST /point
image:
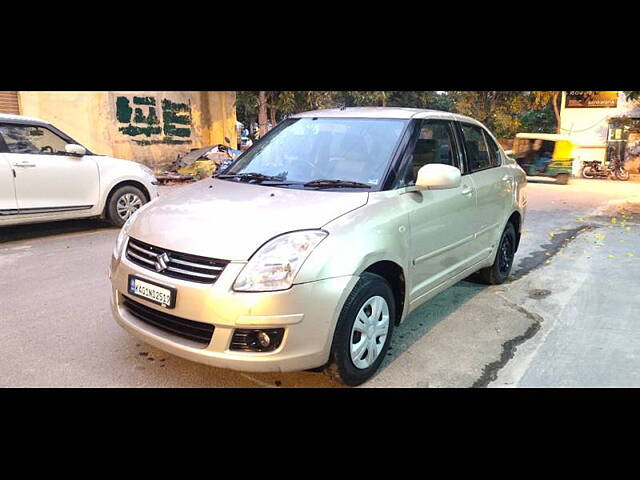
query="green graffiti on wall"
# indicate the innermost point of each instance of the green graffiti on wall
(142, 119)
(173, 113)
(123, 110)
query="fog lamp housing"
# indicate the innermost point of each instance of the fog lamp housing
(256, 340)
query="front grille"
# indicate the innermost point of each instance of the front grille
(178, 265)
(195, 331)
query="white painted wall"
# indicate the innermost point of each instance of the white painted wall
(588, 127)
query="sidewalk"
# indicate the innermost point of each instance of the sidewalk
(588, 298)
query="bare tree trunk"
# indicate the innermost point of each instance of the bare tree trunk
(384, 99)
(262, 113)
(272, 114)
(554, 100)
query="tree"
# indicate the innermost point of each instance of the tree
(541, 99)
(632, 96)
(262, 112)
(498, 110)
(540, 120)
(501, 111)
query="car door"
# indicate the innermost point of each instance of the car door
(47, 179)
(441, 221)
(8, 203)
(493, 183)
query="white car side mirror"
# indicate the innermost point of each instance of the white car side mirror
(73, 149)
(438, 176)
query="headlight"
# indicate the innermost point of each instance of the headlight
(123, 235)
(275, 265)
(146, 171)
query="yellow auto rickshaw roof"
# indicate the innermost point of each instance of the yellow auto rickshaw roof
(545, 136)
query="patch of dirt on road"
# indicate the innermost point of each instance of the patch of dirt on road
(628, 212)
(490, 371)
(556, 243)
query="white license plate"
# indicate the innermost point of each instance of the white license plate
(160, 294)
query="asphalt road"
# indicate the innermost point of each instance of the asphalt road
(566, 317)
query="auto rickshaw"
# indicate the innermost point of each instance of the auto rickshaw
(545, 155)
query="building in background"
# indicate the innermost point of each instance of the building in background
(601, 124)
(149, 127)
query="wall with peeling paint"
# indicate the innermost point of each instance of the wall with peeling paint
(149, 127)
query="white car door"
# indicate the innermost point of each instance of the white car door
(47, 179)
(494, 185)
(442, 221)
(8, 203)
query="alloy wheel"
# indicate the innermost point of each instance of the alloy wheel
(127, 204)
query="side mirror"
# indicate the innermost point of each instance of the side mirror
(438, 176)
(73, 149)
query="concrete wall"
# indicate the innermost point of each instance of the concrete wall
(588, 127)
(149, 127)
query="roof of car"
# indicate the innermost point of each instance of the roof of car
(7, 117)
(383, 112)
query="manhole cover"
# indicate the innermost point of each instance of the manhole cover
(539, 293)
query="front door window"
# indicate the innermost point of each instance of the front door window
(433, 145)
(32, 139)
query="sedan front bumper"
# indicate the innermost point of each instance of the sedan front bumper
(308, 312)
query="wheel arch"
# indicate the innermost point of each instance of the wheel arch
(394, 274)
(516, 220)
(124, 183)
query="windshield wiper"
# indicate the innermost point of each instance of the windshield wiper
(336, 183)
(253, 176)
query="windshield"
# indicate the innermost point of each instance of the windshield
(304, 150)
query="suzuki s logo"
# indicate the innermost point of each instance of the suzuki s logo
(162, 262)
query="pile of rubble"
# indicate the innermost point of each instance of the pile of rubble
(198, 164)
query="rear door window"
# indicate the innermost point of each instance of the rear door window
(475, 145)
(494, 150)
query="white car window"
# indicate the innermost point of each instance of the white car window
(32, 139)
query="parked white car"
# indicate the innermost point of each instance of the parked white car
(317, 241)
(45, 175)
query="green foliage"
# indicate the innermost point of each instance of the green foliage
(499, 110)
(633, 96)
(538, 121)
(504, 112)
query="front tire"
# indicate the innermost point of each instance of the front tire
(501, 268)
(123, 203)
(622, 174)
(363, 331)
(587, 172)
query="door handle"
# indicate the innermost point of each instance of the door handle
(466, 190)
(24, 164)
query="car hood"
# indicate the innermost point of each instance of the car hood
(230, 221)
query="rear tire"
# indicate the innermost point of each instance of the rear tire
(562, 178)
(501, 268)
(123, 203)
(363, 331)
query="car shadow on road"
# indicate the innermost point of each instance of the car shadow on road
(40, 230)
(426, 317)
(417, 325)
(545, 181)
